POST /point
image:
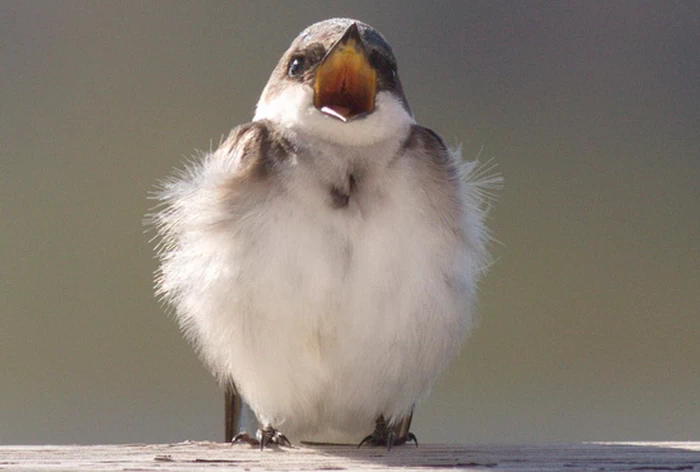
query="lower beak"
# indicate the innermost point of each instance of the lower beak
(345, 82)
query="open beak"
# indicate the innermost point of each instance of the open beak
(346, 82)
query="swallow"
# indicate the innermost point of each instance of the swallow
(324, 259)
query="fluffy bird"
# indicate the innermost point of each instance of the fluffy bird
(324, 260)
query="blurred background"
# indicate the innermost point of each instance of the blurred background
(590, 316)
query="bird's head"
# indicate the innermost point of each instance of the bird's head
(338, 81)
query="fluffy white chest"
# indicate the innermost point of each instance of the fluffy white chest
(326, 316)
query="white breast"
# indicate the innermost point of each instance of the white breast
(326, 317)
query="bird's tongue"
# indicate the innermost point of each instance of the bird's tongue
(345, 83)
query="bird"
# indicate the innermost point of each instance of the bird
(323, 260)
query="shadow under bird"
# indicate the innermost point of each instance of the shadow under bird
(323, 261)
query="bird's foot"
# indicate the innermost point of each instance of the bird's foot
(270, 435)
(384, 435)
(244, 437)
(264, 437)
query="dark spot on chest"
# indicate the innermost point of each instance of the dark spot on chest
(340, 194)
(339, 199)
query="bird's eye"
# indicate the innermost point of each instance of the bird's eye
(296, 66)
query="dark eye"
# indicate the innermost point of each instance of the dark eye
(296, 66)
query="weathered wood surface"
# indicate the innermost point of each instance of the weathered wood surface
(207, 456)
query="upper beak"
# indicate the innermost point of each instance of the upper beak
(346, 82)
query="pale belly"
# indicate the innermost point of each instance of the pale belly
(325, 321)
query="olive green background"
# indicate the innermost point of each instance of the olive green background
(590, 316)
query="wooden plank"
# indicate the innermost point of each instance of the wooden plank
(208, 456)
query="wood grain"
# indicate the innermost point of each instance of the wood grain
(201, 456)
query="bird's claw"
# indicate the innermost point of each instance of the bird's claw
(383, 435)
(244, 437)
(270, 435)
(387, 439)
(264, 437)
(410, 437)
